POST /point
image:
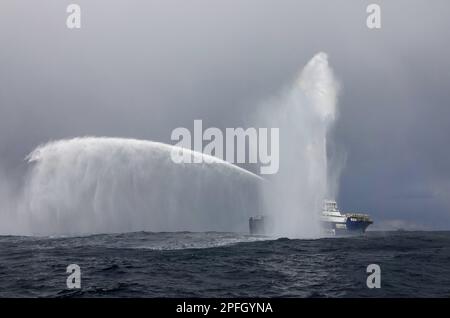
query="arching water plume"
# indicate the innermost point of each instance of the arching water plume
(102, 185)
(304, 114)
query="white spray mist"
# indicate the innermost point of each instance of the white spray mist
(293, 198)
(102, 185)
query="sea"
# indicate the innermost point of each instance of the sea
(212, 264)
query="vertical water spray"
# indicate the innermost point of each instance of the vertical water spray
(304, 113)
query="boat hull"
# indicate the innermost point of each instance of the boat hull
(349, 227)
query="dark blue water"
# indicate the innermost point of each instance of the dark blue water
(413, 264)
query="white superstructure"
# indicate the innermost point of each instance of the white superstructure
(331, 213)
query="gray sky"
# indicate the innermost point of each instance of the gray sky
(141, 68)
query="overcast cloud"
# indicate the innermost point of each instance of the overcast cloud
(142, 68)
